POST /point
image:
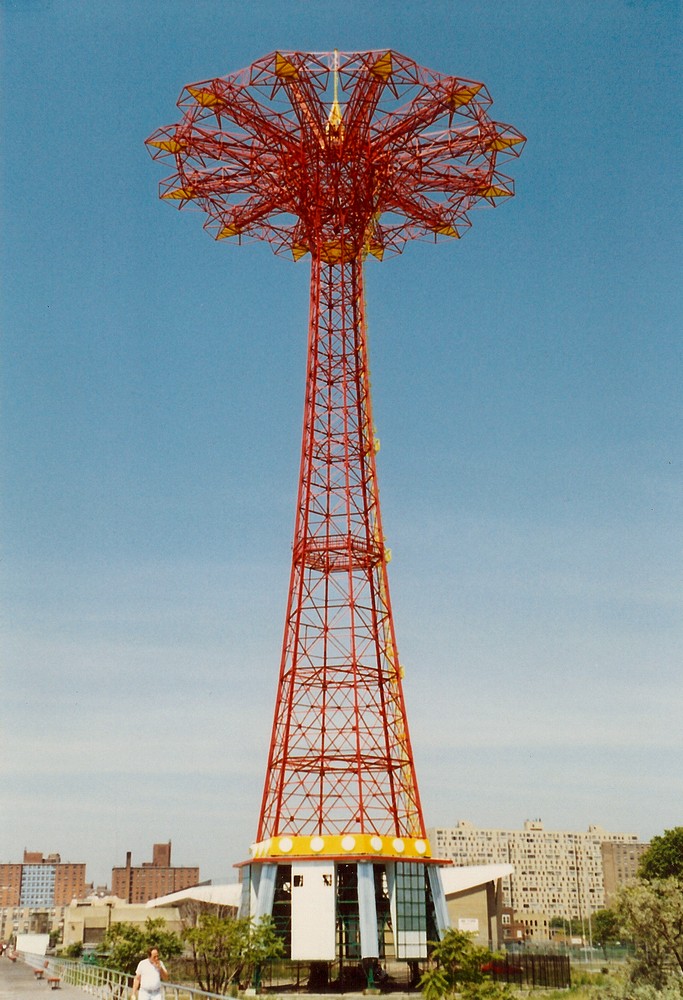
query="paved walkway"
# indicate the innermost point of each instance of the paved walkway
(17, 982)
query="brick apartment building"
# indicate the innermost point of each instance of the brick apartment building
(40, 881)
(157, 877)
(34, 893)
(619, 865)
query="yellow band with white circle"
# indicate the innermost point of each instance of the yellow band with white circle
(341, 845)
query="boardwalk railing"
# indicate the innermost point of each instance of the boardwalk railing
(106, 984)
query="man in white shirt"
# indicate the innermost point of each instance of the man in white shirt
(148, 976)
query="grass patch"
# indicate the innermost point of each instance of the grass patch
(585, 986)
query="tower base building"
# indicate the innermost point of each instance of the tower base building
(349, 897)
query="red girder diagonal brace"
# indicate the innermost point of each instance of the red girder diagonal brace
(340, 755)
(339, 155)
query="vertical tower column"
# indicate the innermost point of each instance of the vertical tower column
(340, 760)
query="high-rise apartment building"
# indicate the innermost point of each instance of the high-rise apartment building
(153, 878)
(556, 873)
(40, 881)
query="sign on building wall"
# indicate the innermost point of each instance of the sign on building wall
(468, 924)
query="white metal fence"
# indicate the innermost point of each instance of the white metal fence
(106, 984)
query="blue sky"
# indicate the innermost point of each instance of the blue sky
(526, 391)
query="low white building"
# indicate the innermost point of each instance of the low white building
(226, 896)
(474, 897)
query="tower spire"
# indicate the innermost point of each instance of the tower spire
(334, 119)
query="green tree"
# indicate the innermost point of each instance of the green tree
(664, 857)
(652, 914)
(74, 950)
(126, 944)
(605, 928)
(460, 965)
(225, 949)
(574, 927)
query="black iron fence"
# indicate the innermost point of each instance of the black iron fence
(532, 970)
(524, 970)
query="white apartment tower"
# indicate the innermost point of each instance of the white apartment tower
(556, 873)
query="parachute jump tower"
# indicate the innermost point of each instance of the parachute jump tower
(339, 156)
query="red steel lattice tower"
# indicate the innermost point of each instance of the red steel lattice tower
(339, 156)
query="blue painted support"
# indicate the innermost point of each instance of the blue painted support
(367, 910)
(264, 887)
(439, 897)
(245, 899)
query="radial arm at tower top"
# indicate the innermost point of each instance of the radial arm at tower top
(337, 154)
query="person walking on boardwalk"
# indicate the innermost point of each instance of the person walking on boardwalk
(148, 976)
